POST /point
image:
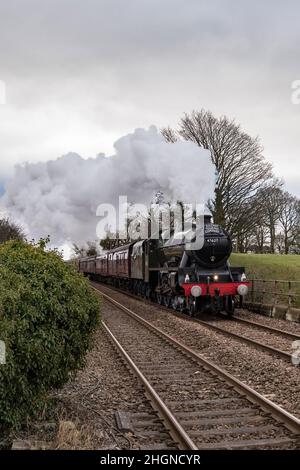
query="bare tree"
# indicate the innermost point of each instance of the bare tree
(241, 168)
(91, 249)
(112, 241)
(79, 250)
(289, 219)
(270, 200)
(169, 134)
(260, 236)
(10, 231)
(250, 217)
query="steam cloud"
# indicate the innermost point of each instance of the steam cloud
(60, 197)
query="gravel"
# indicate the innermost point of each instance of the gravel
(186, 385)
(84, 413)
(271, 376)
(104, 387)
(256, 333)
(291, 327)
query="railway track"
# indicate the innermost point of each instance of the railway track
(255, 334)
(266, 338)
(201, 405)
(287, 334)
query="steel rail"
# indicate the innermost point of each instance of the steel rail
(244, 339)
(172, 425)
(288, 334)
(290, 421)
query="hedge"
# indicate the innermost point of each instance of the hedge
(47, 316)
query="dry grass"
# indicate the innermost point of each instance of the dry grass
(70, 437)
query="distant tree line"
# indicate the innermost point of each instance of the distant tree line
(275, 222)
(249, 202)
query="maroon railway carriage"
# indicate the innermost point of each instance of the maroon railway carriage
(87, 265)
(115, 264)
(119, 262)
(101, 263)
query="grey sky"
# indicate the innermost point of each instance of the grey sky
(80, 74)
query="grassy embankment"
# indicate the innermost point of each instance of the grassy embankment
(269, 267)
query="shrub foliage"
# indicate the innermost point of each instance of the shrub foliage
(47, 316)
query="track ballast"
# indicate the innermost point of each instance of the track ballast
(202, 406)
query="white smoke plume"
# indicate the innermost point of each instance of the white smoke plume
(60, 197)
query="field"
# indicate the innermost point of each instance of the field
(272, 267)
(280, 267)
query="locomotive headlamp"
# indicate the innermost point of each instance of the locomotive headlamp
(242, 289)
(216, 277)
(196, 291)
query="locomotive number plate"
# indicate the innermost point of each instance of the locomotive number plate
(212, 241)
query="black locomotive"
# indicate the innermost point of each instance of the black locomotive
(173, 274)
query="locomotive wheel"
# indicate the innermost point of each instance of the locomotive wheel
(166, 300)
(148, 293)
(182, 307)
(192, 309)
(144, 291)
(174, 302)
(153, 296)
(229, 305)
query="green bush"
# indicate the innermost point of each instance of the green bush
(47, 316)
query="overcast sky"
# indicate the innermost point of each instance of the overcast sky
(80, 74)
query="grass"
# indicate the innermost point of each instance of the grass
(280, 267)
(272, 267)
(69, 437)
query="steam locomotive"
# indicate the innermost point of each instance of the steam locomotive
(172, 274)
